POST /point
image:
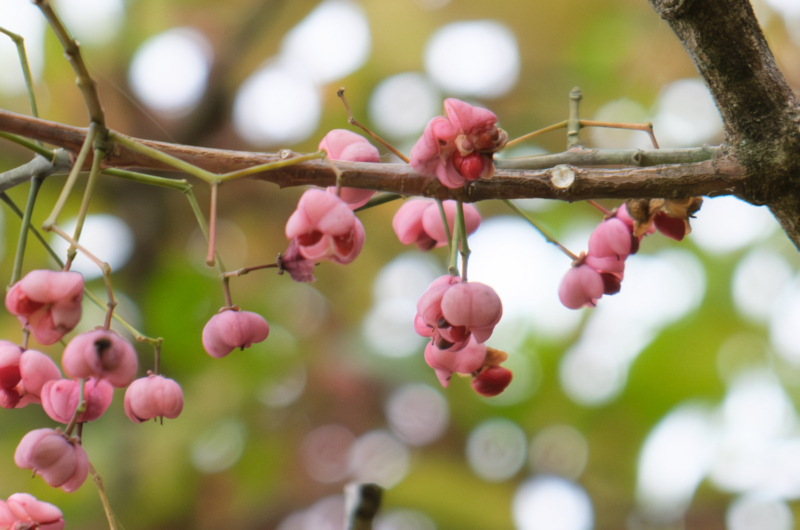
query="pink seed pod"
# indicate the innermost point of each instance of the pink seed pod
(445, 362)
(32, 513)
(325, 228)
(9, 364)
(341, 144)
(459, 147)
(35, 369)
(492, 381)
(8, 521)
(60, 462)
(102, 354)
(48, 303)
(612, 237)
(60, 399)
(231, 329)
(474, 306)
(419, 221)
(153, 396)
(581, 286)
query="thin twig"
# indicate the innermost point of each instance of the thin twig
(377, 200)
(573, 121)
(212, 226)
(443, 216)
(98, 482)
(245, 270)
(73, 176)
(352, 121)
(462, 228)
(19, 42)
(362, 502)
(539, 229)
(599, 207)
(530, 135)
(645, 127)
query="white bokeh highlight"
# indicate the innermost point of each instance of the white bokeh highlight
(621, 110)
(758, 280)
(25, 19)
(219, 447)
(379, 457)
(496, 449)
(674, 459)
(784, 331)
(417, 414)
(477, 58)
(725, 224)
(92, 21)
(169, 71)
(106, 236)
(330, 43)
(275, 106)
(552, 503)
(686, 115)
(757, 512)
(559, 450)
(401, 105)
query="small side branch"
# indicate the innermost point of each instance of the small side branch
(362, 502)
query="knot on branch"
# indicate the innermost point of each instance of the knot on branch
(671, 9)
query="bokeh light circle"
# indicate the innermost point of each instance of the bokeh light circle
(477, 58)
(496, 449)
(418, 414)
(170, 70)
(106, 236)
(552, 503)
(401, 105)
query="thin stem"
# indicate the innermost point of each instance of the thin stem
(546, 236)
(157, 358)
(270, 166)
(573, 121)
(646, 127)
(175, 184)
(26, 335)
(80, 409)
(19, 42)
(226, 288)
(155, 154)
(24, 142)
(73, 54)
(36, 183)
(98, 482)
(362, 502)
(99, 154)
(140, 337)
(377, 200)
(73, 176)
(352, 121)
(105, 267)
(462, 229)
(556, 126)
(599, 207)
(245, 270)
(443, 215)
(336, 172)
(212, 230)
(453, 268)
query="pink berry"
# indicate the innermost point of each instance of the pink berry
(611, 238)
(153, 396)
(48, 303)
(102, 354)
(581, 286)
(60, 462)
(232, 329)
(33, 513)
(325, 228)
(419, 221)
(341, 144)
(60, 399)
(445, 362)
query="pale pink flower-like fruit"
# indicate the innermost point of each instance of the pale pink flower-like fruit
(30, 369)
(492, 381)
(231, 329)
(612, 237)
(419, 221)
(60, 399)
(8, 520)
(341, 144)
(451, 311)
(325, 228)
(581, 286)
(60, 462)
(445, 362)
(102, 354)
(153, 396)
(48, 303)
(459, 147)
(32, 513)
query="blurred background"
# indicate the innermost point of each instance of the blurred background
(672, 405)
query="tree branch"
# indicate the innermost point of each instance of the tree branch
(38, 167)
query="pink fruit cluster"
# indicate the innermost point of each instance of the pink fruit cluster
(48, 304)
(23, 512)
(458, 148)
(419, 221)
(230, 329)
